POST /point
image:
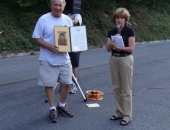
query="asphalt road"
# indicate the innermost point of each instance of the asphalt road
(22, 104)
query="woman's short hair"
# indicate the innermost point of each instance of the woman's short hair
(121, 12)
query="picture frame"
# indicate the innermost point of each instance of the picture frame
(71, 39)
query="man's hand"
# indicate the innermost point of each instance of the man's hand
(48, 46)
(53, 48)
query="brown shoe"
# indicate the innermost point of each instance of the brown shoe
(64, 111)
(53, 116)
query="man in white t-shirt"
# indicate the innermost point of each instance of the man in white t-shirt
(54, 66)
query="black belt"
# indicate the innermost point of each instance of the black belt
(120, 55)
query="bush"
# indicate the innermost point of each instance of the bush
(18, 19)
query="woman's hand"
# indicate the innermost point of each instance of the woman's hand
(109, 45)
(114, 45)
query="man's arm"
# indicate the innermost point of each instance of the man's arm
(42, 43)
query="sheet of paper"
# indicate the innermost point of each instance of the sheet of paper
(118, 40)
(93, 105)
(78, 38)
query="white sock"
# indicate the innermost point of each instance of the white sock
(53, 108)
(61, 104)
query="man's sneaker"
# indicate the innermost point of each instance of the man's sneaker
(73, 89)
(53, 116)
(64, 111)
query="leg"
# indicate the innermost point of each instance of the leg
(65, 79)
(126, 73)
(48, 76)
(74, 56)
(50, 95)
(114, 67)
(64, 90)
(73, 86)
(63, 96)
(75, 71)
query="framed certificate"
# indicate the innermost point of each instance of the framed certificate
(71, 39)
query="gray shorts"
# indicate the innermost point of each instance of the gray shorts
(49, 75)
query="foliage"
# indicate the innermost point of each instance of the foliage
(149, 18)
(25, 3)
(29, 3)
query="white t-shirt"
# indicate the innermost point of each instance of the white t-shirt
(45, 29)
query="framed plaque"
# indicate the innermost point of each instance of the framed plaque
(71, 39)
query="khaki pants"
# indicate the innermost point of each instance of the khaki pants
(122, 73)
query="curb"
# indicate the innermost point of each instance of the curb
(5, 54)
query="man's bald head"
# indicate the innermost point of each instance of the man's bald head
(64, 2)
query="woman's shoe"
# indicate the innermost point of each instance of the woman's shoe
(115, 118)
(124, 122)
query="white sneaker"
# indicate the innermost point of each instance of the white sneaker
(73, 89)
